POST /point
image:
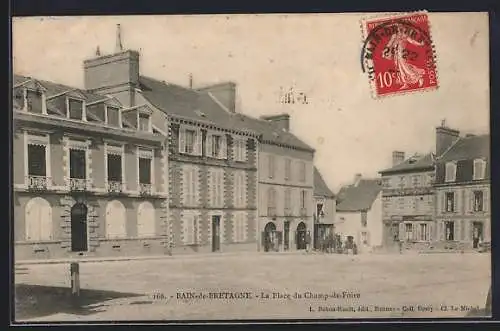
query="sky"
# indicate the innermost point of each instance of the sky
(318, 54)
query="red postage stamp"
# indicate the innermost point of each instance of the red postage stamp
(398, 54)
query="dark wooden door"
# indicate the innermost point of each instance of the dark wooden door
(215, 233)
(79, 228)
(286, 236)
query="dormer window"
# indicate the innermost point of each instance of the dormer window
(144, 121)
(19, 98)
(451, 172)
(113, 116)
(216, 146)
(34, 101)
(479, 169)
(75, 109)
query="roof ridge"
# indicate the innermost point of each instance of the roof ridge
(166, 83)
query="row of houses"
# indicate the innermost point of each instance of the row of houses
(439, 200)
(131, 165)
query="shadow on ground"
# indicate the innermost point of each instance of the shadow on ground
(34, 301)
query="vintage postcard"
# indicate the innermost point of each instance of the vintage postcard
(251, 167)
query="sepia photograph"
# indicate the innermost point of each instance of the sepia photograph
(251, 167)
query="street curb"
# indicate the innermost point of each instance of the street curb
(151, 257)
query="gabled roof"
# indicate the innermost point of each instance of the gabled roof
(359, 197)
(200, 106)
(320, 187)
(468, 148)
(413, 163)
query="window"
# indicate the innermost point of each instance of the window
(77, 161)
(114, 167)
(190, 141)
(19, 98)
(216, 146)
(364, 219)
(240, 227)
(401, 181)
(478, 201)
(240, 189)
(217, 187)
(424, 235)
(364, 238)
(146, 220)
(451, 172)
(144, 122)
(34, 101)
(144, 170)
(189, 227)
(75, 109)
(302, 171)
(385, 182)
(271, 165)
(288, 201)
(450, 202)
(190, 186)
(36, 160)
(416, 180)
(449, 230)
(113, 116)
(115, 220)
(479, 169)
(38, 218)
(271, 202)
(303, 199)
(409, 231)
(240, 149)
(288, 169)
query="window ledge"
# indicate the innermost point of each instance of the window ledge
(43, 242)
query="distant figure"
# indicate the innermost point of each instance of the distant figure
(308, 241)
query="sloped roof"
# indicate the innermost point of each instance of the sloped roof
(412, 163)
(468, 148)
(358, 197)
(54, 88)
(320, 187)
(198, 105)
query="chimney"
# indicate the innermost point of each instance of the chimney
(116, 74)
(119, 46)
(445, 137)
(191, 81)
(282, 121)
(397, 157)
(357, 179)
(225, 93)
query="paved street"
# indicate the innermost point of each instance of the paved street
(148, 290)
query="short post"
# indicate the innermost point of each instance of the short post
(75, 279)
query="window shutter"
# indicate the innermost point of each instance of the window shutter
(402, 234)
(455, 202)
(430, 231)
(223, 147)
(243, 149)
(208, 145)
(486, 200)
(198, 142)
(182, 140)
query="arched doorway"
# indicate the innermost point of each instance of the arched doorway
(146, 220)
(269, 237)
(301, 236)
(115, 220)
(79, 228)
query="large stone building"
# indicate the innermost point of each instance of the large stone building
(88, 178)
(212, 168)
(462, 185)
(285, 187)
(408, 200)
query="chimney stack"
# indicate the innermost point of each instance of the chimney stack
(445, 137)
(282, 121)
(397, 157)
(119, 45)
(225, 93)
(357, 179)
